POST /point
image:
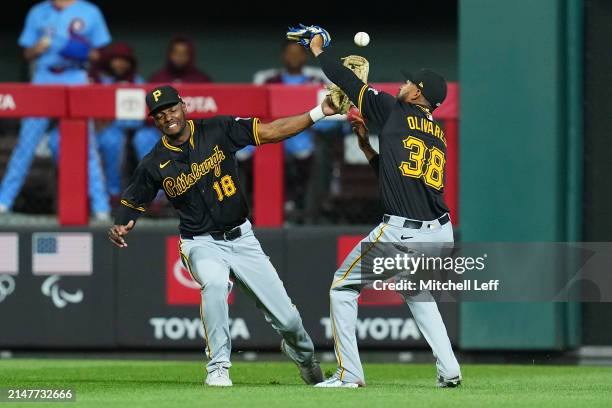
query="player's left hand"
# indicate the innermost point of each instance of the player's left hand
(117, 232)
(304, 34)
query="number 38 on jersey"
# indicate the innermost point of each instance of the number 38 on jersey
(424, 162)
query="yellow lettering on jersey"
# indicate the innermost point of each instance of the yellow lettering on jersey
(426, 126)
(411, 122)
(418, 126)
(176, 186)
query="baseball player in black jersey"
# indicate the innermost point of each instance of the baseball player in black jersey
(410, 170)
(194, 164)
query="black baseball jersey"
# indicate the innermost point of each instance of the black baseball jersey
(199, 177)
(412, 154)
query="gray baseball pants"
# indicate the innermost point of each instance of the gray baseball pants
(211, 262)
(348, 282)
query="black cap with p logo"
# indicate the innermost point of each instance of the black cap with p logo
(431, 84)
(162, 97)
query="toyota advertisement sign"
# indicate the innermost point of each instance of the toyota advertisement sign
(53, 284)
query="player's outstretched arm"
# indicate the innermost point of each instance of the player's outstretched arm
(283, 128)
(335, 71)
(374, 105)
(117, 232)
(362, 132)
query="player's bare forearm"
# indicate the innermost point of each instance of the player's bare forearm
(362, 132)
(283, 128)
(363, 135)
(368, 150)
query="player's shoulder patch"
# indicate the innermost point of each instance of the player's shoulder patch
(373, 90)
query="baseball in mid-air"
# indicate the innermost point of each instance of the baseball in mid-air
(362, 39)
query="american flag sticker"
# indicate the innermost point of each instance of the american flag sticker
(62, 253)
(9, 254)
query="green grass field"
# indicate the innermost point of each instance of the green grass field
(156, 384)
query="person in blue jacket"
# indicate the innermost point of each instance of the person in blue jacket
(59, 38)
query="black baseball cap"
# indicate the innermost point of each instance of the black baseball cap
(432, 85)
(162, 97)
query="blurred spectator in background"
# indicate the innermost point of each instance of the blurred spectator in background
(180, 64)
(294, 70)
(180, 67)
(59, 38)
(117, 65)
(298, 149)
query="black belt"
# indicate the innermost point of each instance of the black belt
(228, 235)
(418, 224)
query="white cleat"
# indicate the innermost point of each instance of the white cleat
(335, 382)
(219, 378)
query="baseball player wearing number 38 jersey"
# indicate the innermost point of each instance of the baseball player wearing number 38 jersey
(410, 169)
(194, 163)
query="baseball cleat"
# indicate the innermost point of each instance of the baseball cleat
(335, 382)
(310, 372)
(219, 378)
(449, 382)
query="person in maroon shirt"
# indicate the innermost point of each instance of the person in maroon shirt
(180, 68)
(180, 64)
